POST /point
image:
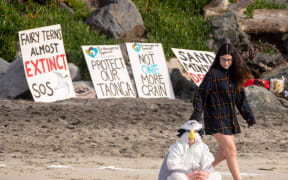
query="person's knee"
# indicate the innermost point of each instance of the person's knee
(230, 151)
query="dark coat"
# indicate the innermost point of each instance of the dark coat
(217, 96)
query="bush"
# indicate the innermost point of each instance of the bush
(18, 16)
(176, 24)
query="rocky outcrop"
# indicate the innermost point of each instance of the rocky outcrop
(118, 19)
(261, 99)
(264, 62)
(13, 83)
(3, 67)
(225, 28)
(74, 72)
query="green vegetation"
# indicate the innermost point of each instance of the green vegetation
(262, 4)
(18, 16)
(266, 47)
(177, 24)
(173, 23)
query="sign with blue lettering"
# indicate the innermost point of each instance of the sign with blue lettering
(150, 70)
(108, 71)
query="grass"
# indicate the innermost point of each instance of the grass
(176, 24)
(262, 4)
(19, 16)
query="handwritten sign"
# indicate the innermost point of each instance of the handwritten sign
(196, 63)
(150, 70)
(108, 71)
(45, 64)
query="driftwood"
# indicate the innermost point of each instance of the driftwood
(215, 8)
(263, 21)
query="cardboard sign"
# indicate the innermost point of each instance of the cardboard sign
(45, 64)
(196, 63)
(108, 71)
(150, 70)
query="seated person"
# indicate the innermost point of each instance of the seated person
(189, 158)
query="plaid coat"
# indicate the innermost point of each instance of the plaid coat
(217, 97)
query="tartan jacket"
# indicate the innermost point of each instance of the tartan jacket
(217, 96)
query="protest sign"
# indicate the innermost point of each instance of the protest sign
(45, 64)
(108, 71)
(196, 63)
(150, 70)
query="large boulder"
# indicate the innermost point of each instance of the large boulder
(183, 88)
(74, 72)
(182, 82)
(265, 62)
(3, 67)
(225, 28)
(13, 84)
(119, 19)
(261, 99)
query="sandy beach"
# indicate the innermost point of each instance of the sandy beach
(123, 139)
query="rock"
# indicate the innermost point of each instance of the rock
(183, 89)
(13, 83)
(265, 62)
(84, 89)
(261, 99)
(120, 19)
(277, 72)
(92, 4)
(66, 7)
(3, 67)
(182, 82)
(225, 28)
(74, 72)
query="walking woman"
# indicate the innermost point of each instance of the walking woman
(222, 89)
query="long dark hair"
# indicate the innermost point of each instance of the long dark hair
(239, 70)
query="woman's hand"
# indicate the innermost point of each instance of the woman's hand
(198, 175)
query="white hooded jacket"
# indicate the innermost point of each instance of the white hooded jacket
(185, 159)
(181, 157)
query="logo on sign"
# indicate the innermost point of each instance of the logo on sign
(92, 52)
(136, 47)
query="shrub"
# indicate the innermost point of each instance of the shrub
(18, 16)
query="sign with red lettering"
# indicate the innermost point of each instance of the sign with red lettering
(196, 63)
(45, 64)
(150, 70)
(108, 71)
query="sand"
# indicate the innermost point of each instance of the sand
(92, 139)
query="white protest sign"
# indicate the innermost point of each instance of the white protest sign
(196, 63)
(45, 64)
(150, 70)
(108, 71)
